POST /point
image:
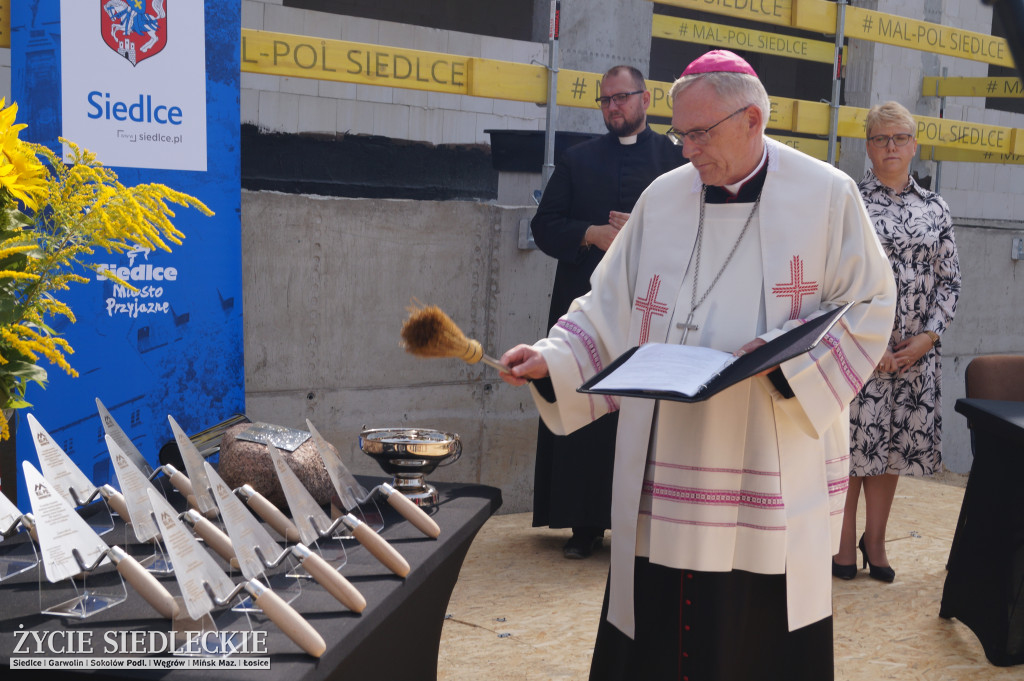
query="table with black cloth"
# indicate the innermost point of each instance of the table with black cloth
(984, 586)
(396, 637)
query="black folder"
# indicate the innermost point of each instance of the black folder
(794, 342)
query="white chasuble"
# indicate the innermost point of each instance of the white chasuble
(748, 479)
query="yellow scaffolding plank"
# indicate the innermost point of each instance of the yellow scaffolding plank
(932, 86)
(812, 147)
(778, 12)
(968, 155)
(940, 132)
(508, 80)
(720, 35)
(964, 135)
(782, 113)
(924, 36)
(819, 16)
(296, 56)
(811, 117)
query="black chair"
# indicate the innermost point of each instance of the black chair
(984, 585)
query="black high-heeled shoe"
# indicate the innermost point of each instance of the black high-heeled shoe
(844, 571)
(882, 574)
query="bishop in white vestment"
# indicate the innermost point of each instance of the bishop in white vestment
(736, 501)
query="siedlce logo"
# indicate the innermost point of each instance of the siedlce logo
(135, 29)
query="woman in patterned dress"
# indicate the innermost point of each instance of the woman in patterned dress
(896, 419)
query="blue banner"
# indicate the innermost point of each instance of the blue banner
(152, 87)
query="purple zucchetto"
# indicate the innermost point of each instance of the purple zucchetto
(719, 61)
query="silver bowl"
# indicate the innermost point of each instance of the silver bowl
(409, 454)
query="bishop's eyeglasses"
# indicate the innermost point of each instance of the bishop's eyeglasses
(882, 141)
(698, 137)
(619, 98)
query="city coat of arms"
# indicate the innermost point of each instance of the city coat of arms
(135, 29)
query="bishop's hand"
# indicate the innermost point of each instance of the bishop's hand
(750, 346)
(525, 363)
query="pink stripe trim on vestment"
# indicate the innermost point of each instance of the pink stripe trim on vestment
(595, 357)
(585, 339)
(838, 486)
(844, 363)
(713, 497)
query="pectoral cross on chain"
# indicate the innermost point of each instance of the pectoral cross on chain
(687, 326)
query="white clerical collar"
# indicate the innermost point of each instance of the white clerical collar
(734, 188)
(628, 140)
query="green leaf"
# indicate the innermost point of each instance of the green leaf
(10, 311)
(27, 371)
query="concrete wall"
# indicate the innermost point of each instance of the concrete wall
(326, 283)
(988, 320)
(5, 74)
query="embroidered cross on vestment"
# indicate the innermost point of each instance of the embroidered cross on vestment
(796, 288)
(649, 305)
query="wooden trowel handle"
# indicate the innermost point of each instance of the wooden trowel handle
(284, 616)
(28, 521)
(116, 501)
(411, 512)
(211, 534)
(330, 579)
(145, 583)
(181, 483)
(377, 545)
(271, 514)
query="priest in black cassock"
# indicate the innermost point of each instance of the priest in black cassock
(587, 200)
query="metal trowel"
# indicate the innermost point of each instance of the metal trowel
(351, 493)
(256, 550)
(68, 479)
(111, 428)
(205, 586)
(201, 497)
(69, 547)
(313, 523)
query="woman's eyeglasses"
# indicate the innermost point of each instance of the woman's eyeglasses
(882, 141)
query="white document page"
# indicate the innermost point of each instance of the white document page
(683, 369)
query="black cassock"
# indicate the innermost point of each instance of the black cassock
(573, 473)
